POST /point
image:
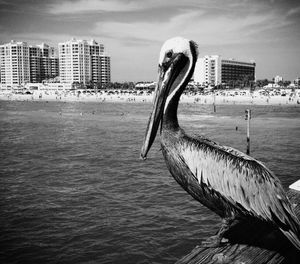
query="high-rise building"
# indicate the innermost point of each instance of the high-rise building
(35, 64)
(105, 68)
(43, 63)
(207, 70)
(278, 79)
(96, 50)
(83, 62)
(79, 61)
(54, 67)
(232, 70)
(213, 70)
(14, 63)
(74, 61)
(47, 58)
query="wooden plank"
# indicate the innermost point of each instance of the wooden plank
(268, 249)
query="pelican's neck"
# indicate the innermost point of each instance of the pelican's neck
(170, 120)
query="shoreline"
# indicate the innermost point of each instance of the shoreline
(141, 97)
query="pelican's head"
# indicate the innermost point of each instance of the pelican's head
(175, 68)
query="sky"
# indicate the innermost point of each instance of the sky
(133, 31)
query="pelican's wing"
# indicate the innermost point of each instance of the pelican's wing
(242, 180)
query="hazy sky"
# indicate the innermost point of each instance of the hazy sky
(267, 31)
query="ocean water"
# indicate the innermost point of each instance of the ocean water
(73, 189)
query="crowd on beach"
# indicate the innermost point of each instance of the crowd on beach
(263, 97)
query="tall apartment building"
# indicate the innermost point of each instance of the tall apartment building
(84, 62)
(105, 69)
(278, 79)
(35, 64)
(14, 63)
(43, 63)
(49, 62)
(207, 70)
(54, 67)
(232, 70)
(96, 50)
(74, 61)
(213, 70)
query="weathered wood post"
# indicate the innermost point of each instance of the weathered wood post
(214, 103)
(248, 117)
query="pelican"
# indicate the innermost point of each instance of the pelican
(232, 184)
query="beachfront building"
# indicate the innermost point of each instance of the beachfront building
(95, 51)
(74, 61)
(278, 79)
(43, 63)
(105, 69)
(100, 63)
(212, 70)
(48, 61)
(14, 63)
(35, 64)
(145, 85)
(82, 61)
(53, 67)
(207, 70)
(21, 63)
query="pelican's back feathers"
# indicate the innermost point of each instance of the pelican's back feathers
(244, 182)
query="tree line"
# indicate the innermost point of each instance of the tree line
(244, 82)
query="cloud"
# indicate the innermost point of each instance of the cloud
(38, 38)
(207, 29)
(133, 30)
(294, 11)
(92, 6)
(149, 31)
(82, 6)
(5, 2)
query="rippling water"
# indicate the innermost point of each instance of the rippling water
(73, 190)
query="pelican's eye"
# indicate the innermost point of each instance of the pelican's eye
(167, 60)
(169, 54)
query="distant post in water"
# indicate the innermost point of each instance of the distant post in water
(214, 103)
(248, 117)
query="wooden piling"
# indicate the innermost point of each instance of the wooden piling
(214, 104)
(248, 117)
(257, 249)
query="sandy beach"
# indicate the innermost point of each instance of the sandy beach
(219, 97)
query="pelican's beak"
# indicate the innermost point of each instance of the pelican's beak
(166, 76)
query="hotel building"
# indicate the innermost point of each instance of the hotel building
(14, 63)
(213, 70)
(278, 79)
(105, 69)
(20, 63)
(49, 66)
(96, 50)
(79, 61)
(43, 63)
(35, 64)
(83, 62)
(74, 61)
